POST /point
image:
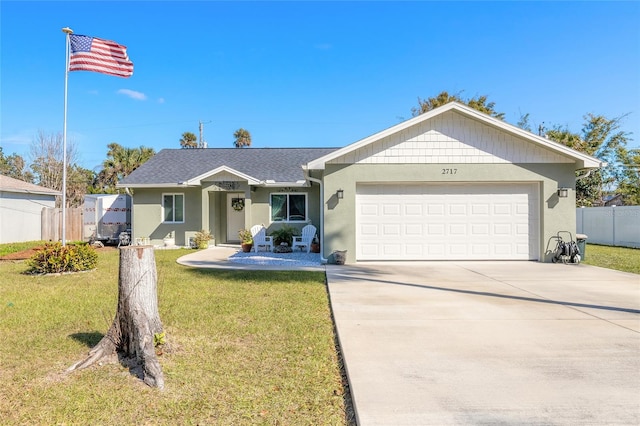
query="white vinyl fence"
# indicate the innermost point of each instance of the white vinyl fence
(611, 226)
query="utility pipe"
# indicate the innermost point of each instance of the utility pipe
(319, 182)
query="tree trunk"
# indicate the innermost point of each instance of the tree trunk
(137, 320)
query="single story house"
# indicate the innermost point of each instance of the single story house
(452, 183)
(21, 205)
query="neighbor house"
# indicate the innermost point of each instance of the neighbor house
(21, 205)
(452, 183)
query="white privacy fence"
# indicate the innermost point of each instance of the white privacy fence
(611, 226)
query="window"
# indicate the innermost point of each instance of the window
(288, 207)
(173, 207)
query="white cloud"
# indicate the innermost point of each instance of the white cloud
(160, 100)
(139, 96)
(23, 138)
(323, 46)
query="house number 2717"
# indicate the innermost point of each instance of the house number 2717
(449, 171)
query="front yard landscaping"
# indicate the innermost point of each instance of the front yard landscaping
(620, 258)
(242, 347)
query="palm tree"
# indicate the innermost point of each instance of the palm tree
(188, 140)
(120, 162)
(243, 138)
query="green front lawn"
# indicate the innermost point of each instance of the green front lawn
(620, 258)
(242, 348)
(17, 247)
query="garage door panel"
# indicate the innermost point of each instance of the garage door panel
(502, 209)
(369, 230)
(435, 229)
(414, 230)
(480, 209)
(414, 210)
(391, 230)
(503, 229)
(455, 221)
(435, 209)
(369, 209)
(457, 209)
(480, 249)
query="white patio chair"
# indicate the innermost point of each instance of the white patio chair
(308, 232)
(260, 238)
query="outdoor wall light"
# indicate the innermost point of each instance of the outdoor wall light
(563, 192)
(340, 194)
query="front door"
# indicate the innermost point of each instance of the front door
(235, 216)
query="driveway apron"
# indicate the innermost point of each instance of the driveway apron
(436, 343)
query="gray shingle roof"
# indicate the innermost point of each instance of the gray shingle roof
(8, 184)
(171, 166)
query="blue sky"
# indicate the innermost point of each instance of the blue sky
(309, 74)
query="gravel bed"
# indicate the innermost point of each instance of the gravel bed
(278, 259)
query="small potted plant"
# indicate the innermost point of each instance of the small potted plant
(246, 240)
(283, 235)
(315, 245)
(201, 239)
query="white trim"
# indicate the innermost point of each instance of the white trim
(306, 207)
(198, 179)
(155, 185)
(583, 161)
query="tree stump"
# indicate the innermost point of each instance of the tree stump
(137, 320)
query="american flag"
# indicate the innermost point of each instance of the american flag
(98, 55)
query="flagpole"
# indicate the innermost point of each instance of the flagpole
(67, 31)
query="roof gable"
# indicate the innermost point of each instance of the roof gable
(455, 133)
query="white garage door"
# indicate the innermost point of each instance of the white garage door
(466, 221)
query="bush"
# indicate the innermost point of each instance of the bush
(56, 258)
(201, 239)
(284, 235)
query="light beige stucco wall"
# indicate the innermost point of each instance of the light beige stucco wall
(556, 214)
(261, 212)
(147, 214)
(206, 208)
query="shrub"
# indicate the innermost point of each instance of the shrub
(201, 239)
(284, 235)
(56, 258)
(245, 236)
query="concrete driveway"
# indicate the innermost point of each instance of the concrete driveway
(489, 342)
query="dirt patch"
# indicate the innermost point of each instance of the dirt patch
(26, 254)
(21, 255)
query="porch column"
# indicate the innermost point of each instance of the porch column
(204, 205)
(247, 208)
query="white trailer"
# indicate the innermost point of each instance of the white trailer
(107, 218)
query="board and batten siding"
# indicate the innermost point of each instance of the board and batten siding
(451, 138)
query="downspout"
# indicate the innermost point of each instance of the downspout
(319, 182)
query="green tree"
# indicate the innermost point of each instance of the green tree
(120, 162)
(602, 138)
(14, 166)
(479, 103)
(188, 140)
(629, 178)
(242, 138)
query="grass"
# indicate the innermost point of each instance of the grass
(16, 247)
(242, 348)
(619, 258)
